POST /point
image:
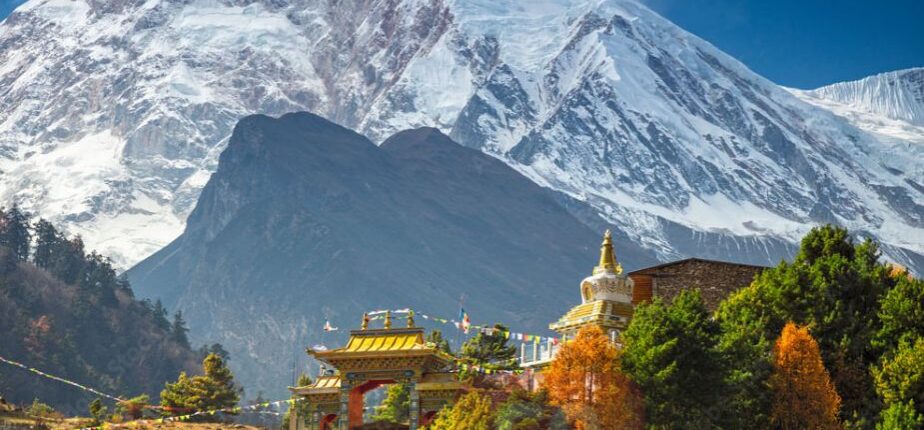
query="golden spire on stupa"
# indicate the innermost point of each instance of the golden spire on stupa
(607, 256)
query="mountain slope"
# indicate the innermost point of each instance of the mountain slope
(306, 221)
(100, 336)
(890, 105)
(112, 114)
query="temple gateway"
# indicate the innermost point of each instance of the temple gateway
(370, 359)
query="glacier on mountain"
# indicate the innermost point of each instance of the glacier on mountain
(112, 114)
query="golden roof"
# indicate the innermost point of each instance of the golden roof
(382, 343)
(387, 340)
(324, 384)
(603, 312)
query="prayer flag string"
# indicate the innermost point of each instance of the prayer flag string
(59, 379)
(508, 334)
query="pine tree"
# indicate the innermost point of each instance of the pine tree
(177, 398)
(214, 390)
(490, 349)
(436, 338)
(586, 382)
(160, 315)
(14, 232)
(179, 330)
(97, 411)
(671, 352)
(48, 242)
(71, 261)
(804, 397)
(99, 278)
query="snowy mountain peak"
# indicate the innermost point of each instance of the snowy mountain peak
(897, 95)
(112, 114)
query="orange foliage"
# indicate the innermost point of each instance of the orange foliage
(585, 381)
(803, 395)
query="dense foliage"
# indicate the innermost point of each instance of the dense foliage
(66, 311)
(529, 411)
(671, 352)
(472, 412)
(854, 306)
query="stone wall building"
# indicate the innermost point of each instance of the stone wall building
(716, 280)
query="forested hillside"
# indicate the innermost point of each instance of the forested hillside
(66, 312)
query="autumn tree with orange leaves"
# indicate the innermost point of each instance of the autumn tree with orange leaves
(586, 382)
(803, 395)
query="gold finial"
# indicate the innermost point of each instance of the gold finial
(607, 256)
(410, 319)
(365, 324)
(387, 320)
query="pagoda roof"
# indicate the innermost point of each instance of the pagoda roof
(324, 384)
(385, 341)
(382, 343)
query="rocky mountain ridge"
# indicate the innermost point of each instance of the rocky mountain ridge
(417, 222)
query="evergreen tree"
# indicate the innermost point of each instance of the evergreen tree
(396, 406)
(48, 242)
(436, 338)
(179, 330)
(900, 376)
(97, 411)
(804, 397)
(671, 352)
(490, 349)
(177, 398)
(214, 390)
(901, 314)
(745, 351)
(14, 232)
(70, 262)
(160, 316)
(901, 416)
(99, 278)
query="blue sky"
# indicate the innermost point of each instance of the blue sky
(7, 6)
(807, 43)
(797, 43)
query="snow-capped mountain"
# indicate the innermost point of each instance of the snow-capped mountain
(112, 114)
(890, 105)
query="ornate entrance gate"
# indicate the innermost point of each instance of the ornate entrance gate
(372, 358)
